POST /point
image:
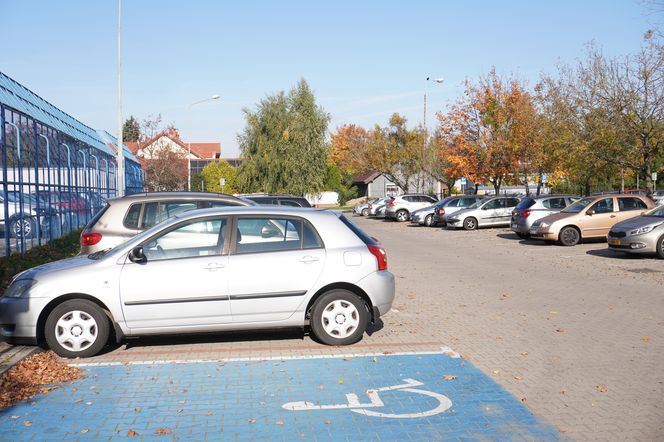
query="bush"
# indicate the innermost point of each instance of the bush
(60, 248)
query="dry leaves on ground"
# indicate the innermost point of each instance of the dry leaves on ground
(28, 378)
(163, 431)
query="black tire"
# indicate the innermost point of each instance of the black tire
(26, 228)
(428, 221)
(402, 215)
(569, 236)
(351, 310)
(365, 212)
(470, 223)
(77, 315)
(522, 235)
(659, 248)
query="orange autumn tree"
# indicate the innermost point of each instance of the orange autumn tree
(484, 133)
(350, 149)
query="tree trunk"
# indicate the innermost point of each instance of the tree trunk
(587, 186)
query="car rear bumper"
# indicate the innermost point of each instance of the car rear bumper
(380, 287)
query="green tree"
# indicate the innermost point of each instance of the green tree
(131, 129)
(284, 144)
(340, 182)
(213, 172)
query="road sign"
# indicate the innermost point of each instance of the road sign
(654, 176)
(544, 178)
(462, 181)
(222, 181)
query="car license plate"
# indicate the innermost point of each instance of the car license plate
(614, 242)
(513, 226)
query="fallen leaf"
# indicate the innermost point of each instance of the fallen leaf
(496, 371)
(137, 410)
(209, 413)
(27, 423)
(251, 420)
(85, 430)
(280, 422)
(560, 330)
(523, 399)
(327, 422)
(645, 338)
(180, 410)
(341, 381)
(374, 359)
(450, 377)
(451, 410)
(15, 417)
(88, 403)
(518, 378)
(601, 388)
(524, 353)
(132, 433)
(163, 431)
(553, 312)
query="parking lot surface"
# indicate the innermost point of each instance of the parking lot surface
(382, 397)
(574, 336)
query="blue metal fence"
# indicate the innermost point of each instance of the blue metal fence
(53, 180)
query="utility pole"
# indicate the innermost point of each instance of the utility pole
(120, 153)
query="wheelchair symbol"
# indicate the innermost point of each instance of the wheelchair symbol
(354, 405)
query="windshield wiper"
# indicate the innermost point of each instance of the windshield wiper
(98, 254)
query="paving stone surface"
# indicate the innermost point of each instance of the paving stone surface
(575, 334)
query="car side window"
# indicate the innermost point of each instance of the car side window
(510, 202)
(191, 239)
(465, 202)
(629, 203)
(266, 234)
(493, 204)
(289, 203)
(428, 199)
(157, 212)
(603, 206)
(452, 203)
(133, 214)
(555, 203)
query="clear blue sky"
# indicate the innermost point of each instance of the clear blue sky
(364, 60)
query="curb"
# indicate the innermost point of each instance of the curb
(11, 355)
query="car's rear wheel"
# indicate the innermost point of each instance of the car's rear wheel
(428, 221)
(569, 236)
(660, 247)
(470, 223)
(77, 328)
(365, 212)
(339, 317)
(402, 215)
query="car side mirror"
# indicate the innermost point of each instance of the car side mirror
(590, 212)
(270, 232)
(136, 255)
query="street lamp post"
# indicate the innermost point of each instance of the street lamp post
(424, 142)
(213, 97)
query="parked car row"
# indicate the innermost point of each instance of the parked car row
(566, 219)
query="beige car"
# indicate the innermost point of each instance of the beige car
(590, 217)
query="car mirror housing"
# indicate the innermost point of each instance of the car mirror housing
(590, 212)
(136, 255)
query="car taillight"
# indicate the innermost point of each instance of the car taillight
(90, 239)
(441, 211)
(380, 255)
(525, 213)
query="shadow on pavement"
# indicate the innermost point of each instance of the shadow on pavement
(621, 256)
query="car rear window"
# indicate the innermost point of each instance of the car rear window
(368, 240)
(525, 203)
(97, 216)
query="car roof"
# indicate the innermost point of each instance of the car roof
(149, 196)
(255, 210)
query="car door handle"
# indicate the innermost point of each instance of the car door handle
(308, 259)
(612, 216)
(214, 266)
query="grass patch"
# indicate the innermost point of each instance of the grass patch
(60, 248)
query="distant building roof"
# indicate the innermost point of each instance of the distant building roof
(205, 150)
(367, 177)
(112, 142)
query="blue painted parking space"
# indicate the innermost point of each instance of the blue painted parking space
(385, 397)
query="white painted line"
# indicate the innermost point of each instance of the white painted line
(444, 350)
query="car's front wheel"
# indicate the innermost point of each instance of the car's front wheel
(77, 328)
(428, 221)
(365, 212)
(660, 247)
(569, 236)
(339, 317)
(470, 223)
(23, 228)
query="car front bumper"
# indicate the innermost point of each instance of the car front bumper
(18, 319)
(544, 234)
(633, 244)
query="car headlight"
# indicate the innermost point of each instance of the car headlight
(644, 229)
(544, 225)
(19, 288)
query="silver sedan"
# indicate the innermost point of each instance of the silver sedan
(642, 234)
(207, 270)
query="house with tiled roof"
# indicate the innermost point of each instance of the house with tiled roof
(166, 141)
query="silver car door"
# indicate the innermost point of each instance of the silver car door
(272, 271)
(183, 281)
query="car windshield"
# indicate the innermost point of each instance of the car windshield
(657, 212)
(578, 206)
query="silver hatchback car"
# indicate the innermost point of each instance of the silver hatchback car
(122, 218)
(532, 208)
(491, 212)
(239, 268)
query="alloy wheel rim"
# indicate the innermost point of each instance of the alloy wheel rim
(76, 330)
(570, 236)
(340, 318)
